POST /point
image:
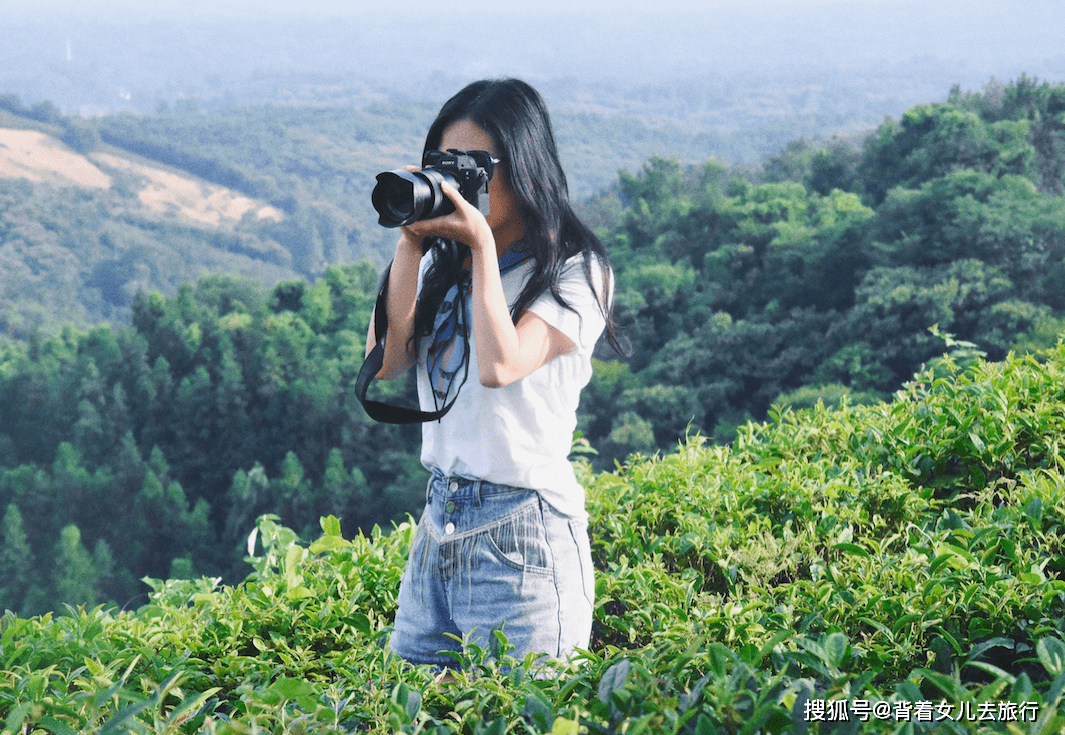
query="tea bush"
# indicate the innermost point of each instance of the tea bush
(888, 568)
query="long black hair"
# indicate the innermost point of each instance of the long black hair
(515, 117)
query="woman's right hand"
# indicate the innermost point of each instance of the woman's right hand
(409, 242)
(402, 296)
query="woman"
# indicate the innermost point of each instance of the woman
(518, 300)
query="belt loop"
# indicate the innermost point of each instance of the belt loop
(477, 493)
(429, 490)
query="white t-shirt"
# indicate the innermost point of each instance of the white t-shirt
(521, 434)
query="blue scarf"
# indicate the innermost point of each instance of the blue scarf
(447, 353)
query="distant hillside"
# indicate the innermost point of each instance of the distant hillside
(41, 158)
(82, 233)
(95, 210)
(86, 232)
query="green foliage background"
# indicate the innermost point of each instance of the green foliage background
(907, 555)
(150, 446)
(879, 537)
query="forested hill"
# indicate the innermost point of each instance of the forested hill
(824, 275)
(94, 210)
(151, 447)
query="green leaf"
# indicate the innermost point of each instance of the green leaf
(294, 557)
(837, 649)
(938, 562)
(191, 703)
(1056, 688)
(887, 632)
(538, 710)
(300, 593)
(105, 694)
(980, 648)
(779, 637)
(17, 716)
(498, 646)
(995, 671)
(613, 679)
(758, 718)
(944, 661)
(413, 704)
(359, 622)
(331, 526)
(1034, 511)
(117, 723)
(1051, 652)
(799, 722)
(704, 726)
(903, 622)
(950, 689)
(852, 549)
(563, 726)
(289, 688)
(59, 728)
(497, 726)
(328, 543)
(641, 724)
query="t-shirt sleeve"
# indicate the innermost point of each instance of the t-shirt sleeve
(585, 322)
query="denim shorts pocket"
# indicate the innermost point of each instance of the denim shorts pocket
(519, 541)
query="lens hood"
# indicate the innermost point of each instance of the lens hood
(402, 197)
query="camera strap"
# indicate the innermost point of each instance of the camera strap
(452, 328)
(388, 413)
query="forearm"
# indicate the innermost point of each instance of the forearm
(497, 342)
(402, 298)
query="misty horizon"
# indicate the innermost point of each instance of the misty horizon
(112, 55)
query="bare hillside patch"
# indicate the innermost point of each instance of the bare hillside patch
(33, 155)
(29, 154)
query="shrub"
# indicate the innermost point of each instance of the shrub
(883, 568)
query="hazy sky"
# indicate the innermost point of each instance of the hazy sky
(637, 41)
(991, 28)
(421, 7)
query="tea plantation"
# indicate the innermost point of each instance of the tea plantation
(889, 568)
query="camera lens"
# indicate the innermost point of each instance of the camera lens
(402, 197)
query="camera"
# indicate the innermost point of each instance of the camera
(402, 196)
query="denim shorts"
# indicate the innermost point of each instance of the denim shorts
(491, 556)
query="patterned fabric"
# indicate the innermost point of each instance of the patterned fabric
(448, 351)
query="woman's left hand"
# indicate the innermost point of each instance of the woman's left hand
(466, 224)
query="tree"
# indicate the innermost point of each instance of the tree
(931, 141)
(80, 135)
(46, 112)
(75, 574)
(835, 167)
(1002, 220)
(16, 561)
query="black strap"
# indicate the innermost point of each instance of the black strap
(387, 413)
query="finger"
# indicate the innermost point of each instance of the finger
(418, 230)
(454, 195)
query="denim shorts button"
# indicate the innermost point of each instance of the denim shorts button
(449, 529)
(450, 508)
(453, 487)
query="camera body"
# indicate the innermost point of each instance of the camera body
(402, 197)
